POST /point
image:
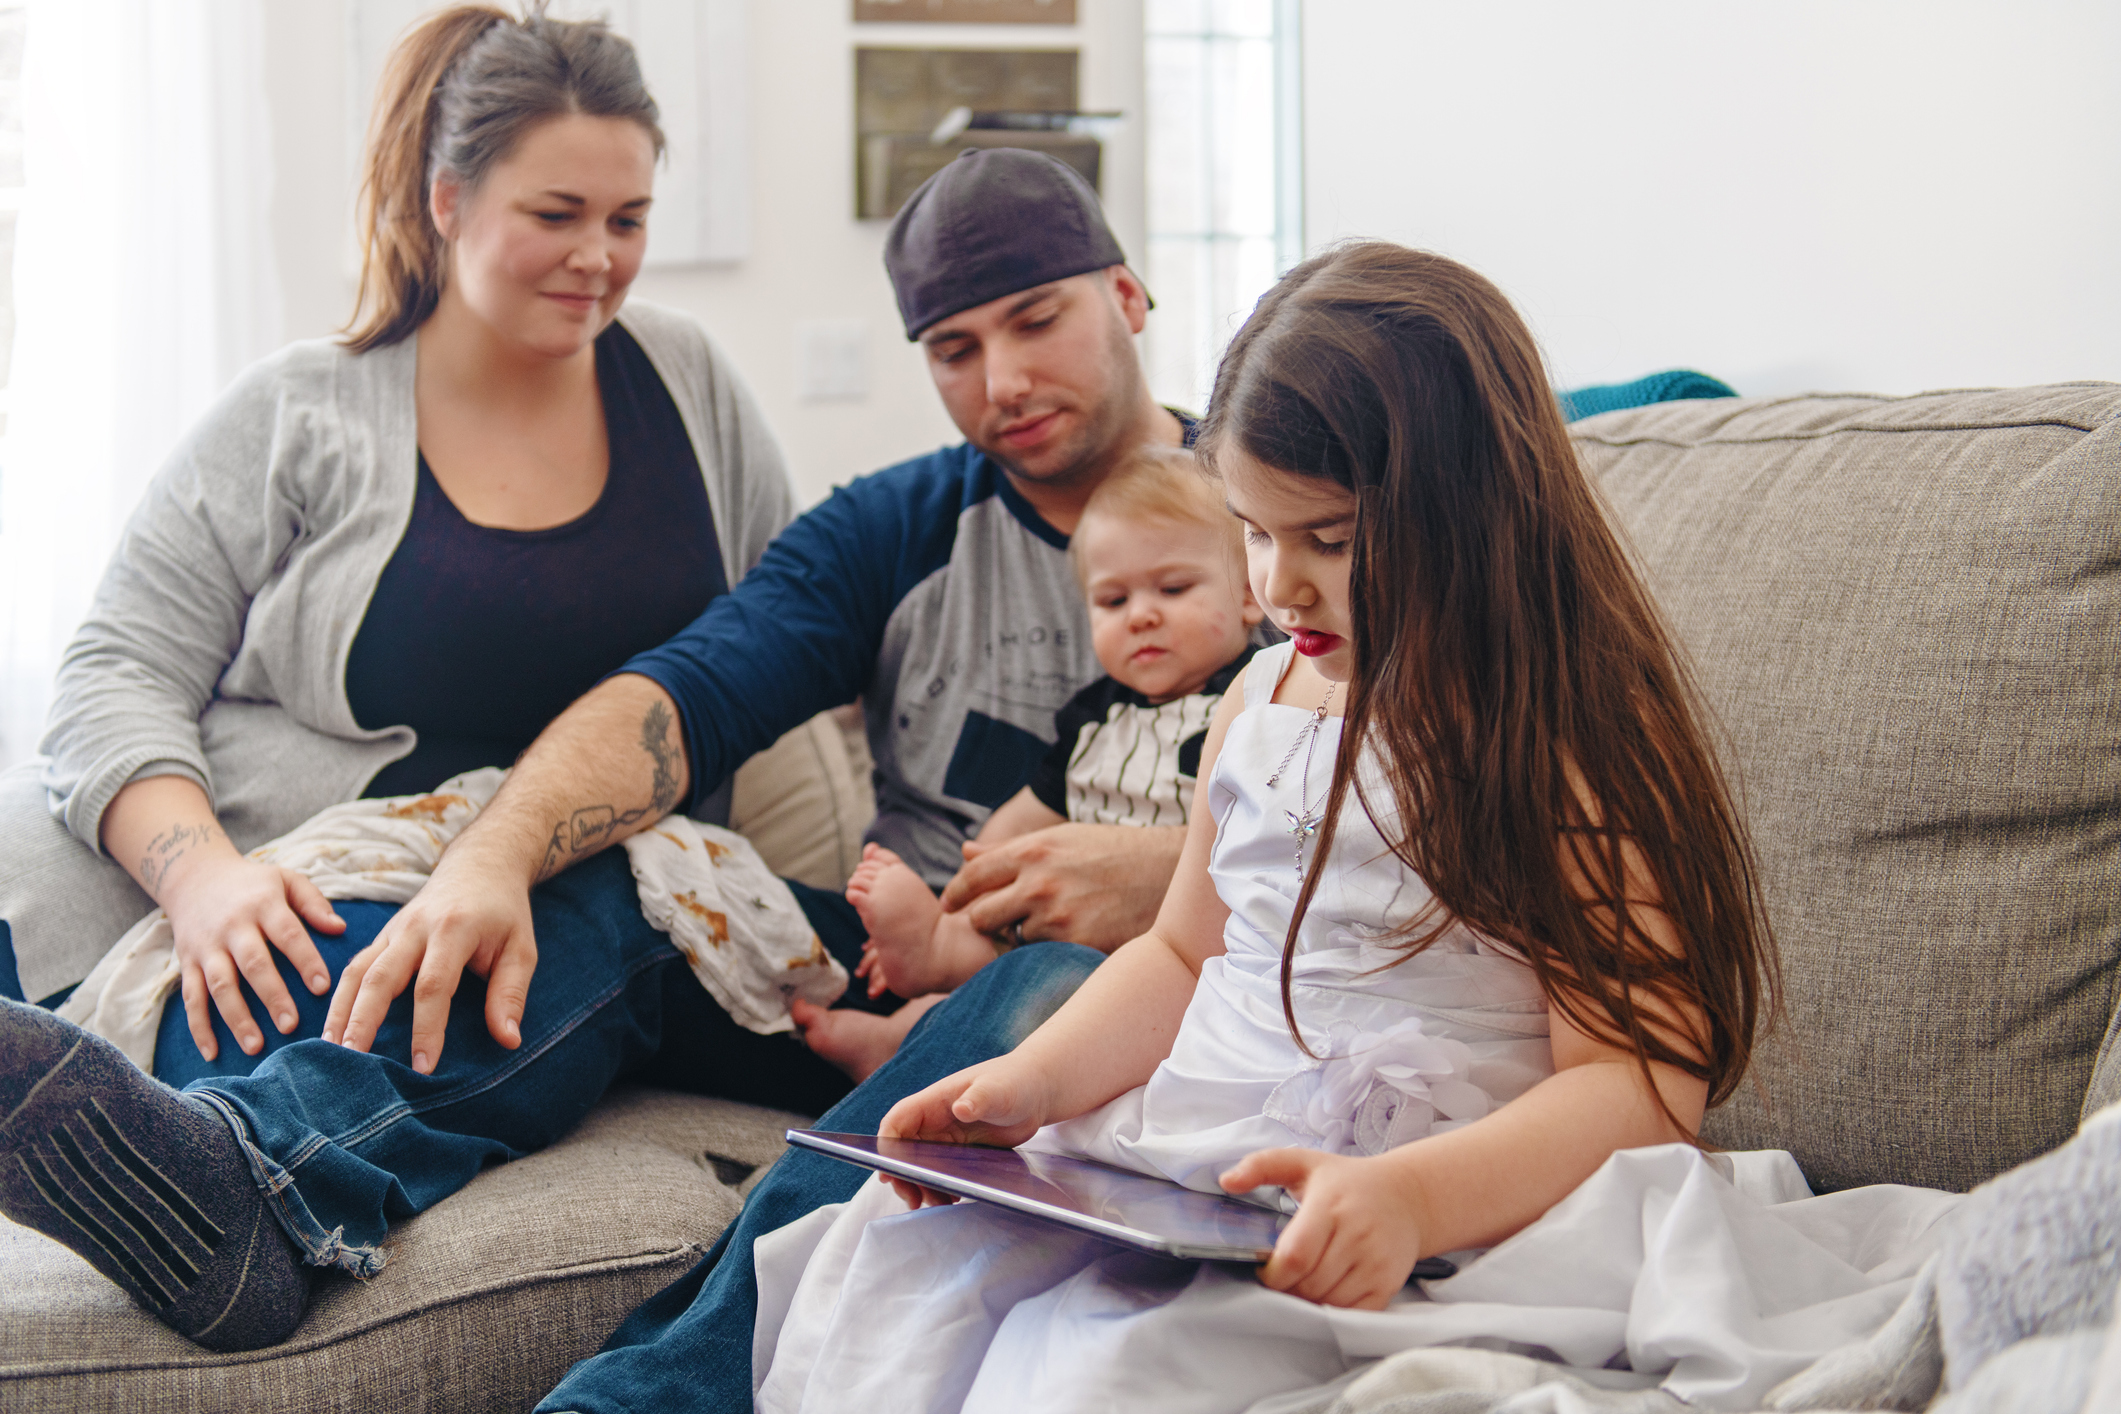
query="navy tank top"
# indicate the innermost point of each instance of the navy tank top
(478, 637)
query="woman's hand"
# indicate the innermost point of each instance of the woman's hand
(1355, 1240)
(228, 914)
(995, 1102)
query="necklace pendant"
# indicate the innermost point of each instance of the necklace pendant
(1304, 822)
(1301, 828)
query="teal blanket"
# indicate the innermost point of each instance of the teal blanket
(1664, 387)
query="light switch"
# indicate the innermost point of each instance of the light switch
(832, 360)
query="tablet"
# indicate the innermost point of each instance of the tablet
(1131, 1209)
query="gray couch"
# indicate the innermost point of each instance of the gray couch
(1907, 615)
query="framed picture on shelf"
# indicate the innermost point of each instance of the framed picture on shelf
(966, 12)
(916, 109)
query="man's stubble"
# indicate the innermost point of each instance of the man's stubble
(1105, 427)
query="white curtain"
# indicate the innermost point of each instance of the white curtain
(1220, 103)
(144, 280)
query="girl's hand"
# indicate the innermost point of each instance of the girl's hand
(1355, 1240)
(228, 914)
(992, 1103)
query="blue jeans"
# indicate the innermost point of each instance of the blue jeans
(689, 1346)
(346, 1143)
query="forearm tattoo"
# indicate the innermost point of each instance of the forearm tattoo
(165, 849)
(655, 740)
(590, 828)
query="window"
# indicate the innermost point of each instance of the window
(12, 24)
(1225, 200)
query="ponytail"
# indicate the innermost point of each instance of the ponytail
(458, 92)
(401, 251)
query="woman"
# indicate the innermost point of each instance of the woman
(382, 561)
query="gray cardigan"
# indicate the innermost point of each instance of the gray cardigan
(217, 643)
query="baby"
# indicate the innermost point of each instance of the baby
(1161, 560)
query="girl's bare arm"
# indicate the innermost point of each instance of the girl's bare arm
(1110, 1036)
(1364, 1222)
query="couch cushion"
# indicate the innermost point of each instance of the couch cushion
(1907, 614)
(487, 1299)
(805, 801)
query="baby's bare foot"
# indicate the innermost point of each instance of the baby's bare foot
(900, 911)
(856, 1041)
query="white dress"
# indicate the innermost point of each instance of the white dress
(1404, 1045)
(866, 1306)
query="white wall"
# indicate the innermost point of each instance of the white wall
(811, 259)
(1887, 195)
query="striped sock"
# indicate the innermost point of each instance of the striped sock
(147, 1185)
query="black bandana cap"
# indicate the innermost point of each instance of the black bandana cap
(995, 221)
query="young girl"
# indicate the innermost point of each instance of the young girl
(1469, 909)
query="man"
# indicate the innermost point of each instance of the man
(938, 591)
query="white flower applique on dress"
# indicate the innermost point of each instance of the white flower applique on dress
(1369, 1091)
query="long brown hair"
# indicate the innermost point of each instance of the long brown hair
(1513, 681)
(459, 91)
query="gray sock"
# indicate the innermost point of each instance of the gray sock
(147, 1185)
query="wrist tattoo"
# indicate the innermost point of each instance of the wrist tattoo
(590, 828)
(165, 849)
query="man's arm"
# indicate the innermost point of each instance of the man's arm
(585, 789)
(610, 766)
(797, 634)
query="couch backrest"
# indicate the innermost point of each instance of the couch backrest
(1906, 614)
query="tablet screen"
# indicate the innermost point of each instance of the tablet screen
(1149, 1214)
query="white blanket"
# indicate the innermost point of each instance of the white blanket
(1707, 1280)
(736, 923)
(2014, 1313)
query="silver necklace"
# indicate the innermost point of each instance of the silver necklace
(1303, 821)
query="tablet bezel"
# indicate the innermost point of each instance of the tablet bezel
(861, 1149)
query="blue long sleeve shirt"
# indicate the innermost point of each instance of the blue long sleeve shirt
(932, 591)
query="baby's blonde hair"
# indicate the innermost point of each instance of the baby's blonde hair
(1160, 483)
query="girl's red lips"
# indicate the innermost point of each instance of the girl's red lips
(1313, 644)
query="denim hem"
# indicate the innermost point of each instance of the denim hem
(320, 1248)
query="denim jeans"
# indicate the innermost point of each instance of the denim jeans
(345, 1143)
(689, 1346)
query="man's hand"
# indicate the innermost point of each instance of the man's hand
(471, 913)
(1098, 885)
(608, 767)
(1355, 1237)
